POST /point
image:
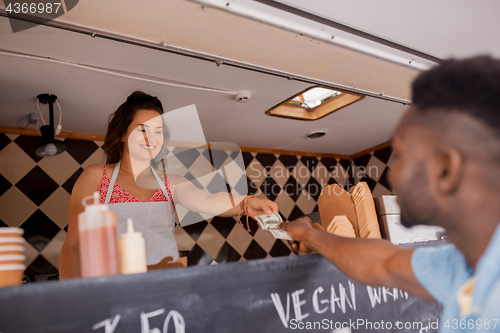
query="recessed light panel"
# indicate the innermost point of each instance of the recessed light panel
(314, 103)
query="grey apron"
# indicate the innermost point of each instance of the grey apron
(155, 220)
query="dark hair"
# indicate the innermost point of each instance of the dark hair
(470, 86)
(121, 119)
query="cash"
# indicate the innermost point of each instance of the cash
(270, 223)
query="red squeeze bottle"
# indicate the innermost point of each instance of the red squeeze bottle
(98, 240)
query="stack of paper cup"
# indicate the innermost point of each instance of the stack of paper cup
(11, 256)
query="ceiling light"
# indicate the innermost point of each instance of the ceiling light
(49, 146)
(314, 103)
(316, 134)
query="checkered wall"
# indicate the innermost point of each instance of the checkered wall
(35, 194)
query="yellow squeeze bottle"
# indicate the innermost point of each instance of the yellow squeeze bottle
(132, 251)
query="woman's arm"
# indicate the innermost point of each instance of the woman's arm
(220, 204)
(88, 182)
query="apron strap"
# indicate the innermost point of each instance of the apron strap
(162, 185)
(112, 183)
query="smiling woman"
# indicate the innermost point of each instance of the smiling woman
(139, 187)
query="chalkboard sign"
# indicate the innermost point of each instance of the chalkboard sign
(269, 295)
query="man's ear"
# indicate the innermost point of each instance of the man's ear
(448, 170)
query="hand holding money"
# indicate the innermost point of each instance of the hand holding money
(270, 223)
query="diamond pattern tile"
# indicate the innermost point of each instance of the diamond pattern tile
(198, 257)
(329, 163)
(380, 190)
(279, 173)
(362, 160)
(218, 158)
(14, 163)
(279, 249)
(56, 207)
(4, 185)
(384, 154)
(97, 157)
(217, 184)
(28, 144)
(15, 207)
(247, 158)
(256, 173)
(289, 161)
(4, 141)
(285, 203)
(59, 167)
(313, 188)
(44, 185)
(227, 254)
(384, 180)
(39, 230)
(294, 182)
(309, 162)
(375, 168)
(223, 225)
(194, 230)
(68, 185)
(265, 239)
(321, 174)
(306, 202)
(270, 188)
(80, 150)
(358, 173)
(210, 241)
(295, 214)
(53, 249)
(40, 266)
(254, 251)
(292, 188)
(301, 173)
(239, 239)
(186, 156)
(266, 160)
(184, 241)
(30, 253)
(346, 165)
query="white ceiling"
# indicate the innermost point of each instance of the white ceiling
(443, 28)
(88, 97)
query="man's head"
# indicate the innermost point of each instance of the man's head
(447, 146)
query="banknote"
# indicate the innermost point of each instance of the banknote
(270, 223)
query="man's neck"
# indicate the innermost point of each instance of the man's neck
(473, 232)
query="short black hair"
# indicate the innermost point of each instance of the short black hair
(469, 86)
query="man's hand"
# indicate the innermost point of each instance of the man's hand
(298, 230)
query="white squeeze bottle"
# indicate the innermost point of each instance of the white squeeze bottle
(97, 237)
(132, 251)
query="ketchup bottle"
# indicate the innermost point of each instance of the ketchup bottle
(97, 236)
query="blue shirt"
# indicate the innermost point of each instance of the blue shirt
(442, 270)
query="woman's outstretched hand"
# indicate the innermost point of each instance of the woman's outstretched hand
(258, 206)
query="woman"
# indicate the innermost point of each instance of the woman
(135, 136)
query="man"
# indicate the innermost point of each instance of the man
(446, 172)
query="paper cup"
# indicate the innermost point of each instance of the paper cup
(11, 275)
(11, 232)
(11, 241)
(12, 259)
(11, 249)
